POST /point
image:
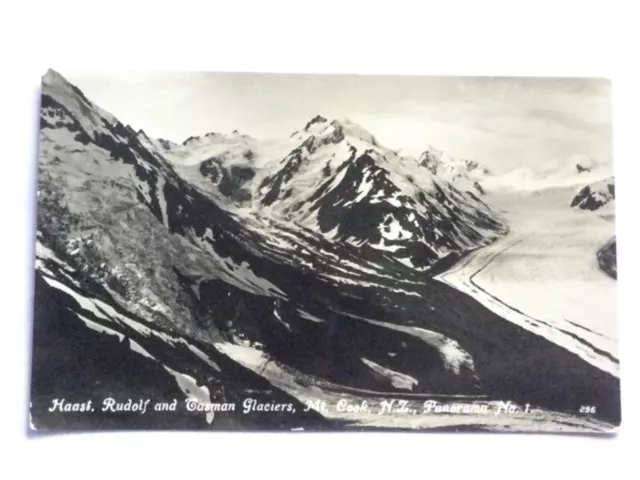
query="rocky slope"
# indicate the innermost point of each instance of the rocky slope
(334, 178)
(341, 182)
(595, 195)
(607, 258)
(599, 197)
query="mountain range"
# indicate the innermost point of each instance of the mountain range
(228, 264)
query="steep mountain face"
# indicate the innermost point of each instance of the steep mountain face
(341, 182)
(133, 244)
(225, 265)
(595, 195)
(118, 202)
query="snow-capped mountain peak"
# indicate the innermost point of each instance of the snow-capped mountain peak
(352, 129)
(85, 112)
(53, 78)
(333, 176)
(167, 144)
(434, 152)
(317, 120)
(340, 174)
(142, 135)
(195, 139)
(334, 131)
(465, 174)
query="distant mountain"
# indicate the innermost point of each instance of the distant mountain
(607, 258)
(465, 175)
(439, 162)
(595, 195)
(583, 163)
(574, 171)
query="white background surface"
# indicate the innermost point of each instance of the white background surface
(560, 38)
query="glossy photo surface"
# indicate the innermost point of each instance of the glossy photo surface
(252, 252)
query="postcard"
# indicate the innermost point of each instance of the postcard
(287, 252)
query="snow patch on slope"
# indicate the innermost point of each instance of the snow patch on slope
(397, 379)
(194, 392)
(454, 357)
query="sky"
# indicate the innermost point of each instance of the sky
(503, 123)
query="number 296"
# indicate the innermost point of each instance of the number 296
(587, 409)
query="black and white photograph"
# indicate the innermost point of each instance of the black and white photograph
(297, 252)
